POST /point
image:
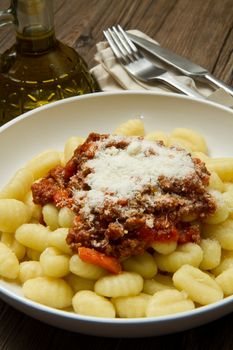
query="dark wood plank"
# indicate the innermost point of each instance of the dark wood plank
(202, 31)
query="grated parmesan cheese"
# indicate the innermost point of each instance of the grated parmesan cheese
(118, 173)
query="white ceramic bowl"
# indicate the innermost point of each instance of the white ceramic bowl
(50, 126)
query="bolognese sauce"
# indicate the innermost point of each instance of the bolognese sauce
(128, 192)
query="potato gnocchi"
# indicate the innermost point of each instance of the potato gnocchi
(167, 279)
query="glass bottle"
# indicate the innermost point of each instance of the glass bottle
(37, 69)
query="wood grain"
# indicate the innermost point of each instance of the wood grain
(199, 30)
(203, 32)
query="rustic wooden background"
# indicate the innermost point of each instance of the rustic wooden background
(201, 30)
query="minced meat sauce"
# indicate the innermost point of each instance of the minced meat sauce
(128, 192)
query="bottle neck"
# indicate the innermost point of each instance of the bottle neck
(34, 21)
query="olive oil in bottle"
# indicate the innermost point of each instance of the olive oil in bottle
(38, 69)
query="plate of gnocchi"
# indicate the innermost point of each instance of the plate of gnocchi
(116, 213)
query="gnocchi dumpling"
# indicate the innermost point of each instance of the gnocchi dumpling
(170, 301)
(131, 306)
(211, 254)
(133, 127)
(29, 270)
(19, 185)
(194, 139)
(57, 239)
(84, 269)
(54, 263)
(14, 213)
(9, 240)
(89, 303)
(71, 144)
(143, 264)
(159, 282)
(222, 232)
(122, 285)
(188, 253)
(43, 162)
(50, 216)
(78, 283)
(9, 264)
(34, 236)
(225, 280)
(199, 286)
(50, 291)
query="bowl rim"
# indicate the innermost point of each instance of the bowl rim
(11, 296)
(113, 93)
(197, 312)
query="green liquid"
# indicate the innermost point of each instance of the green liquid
(40, 70)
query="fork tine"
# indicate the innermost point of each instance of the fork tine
(129, 42)
(123, 41)
(116, 46)
(112, 44)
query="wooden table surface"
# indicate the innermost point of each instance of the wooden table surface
(200, 30)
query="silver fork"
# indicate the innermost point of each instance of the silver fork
(140, 67)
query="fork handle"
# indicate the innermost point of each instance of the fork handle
(172, 82)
